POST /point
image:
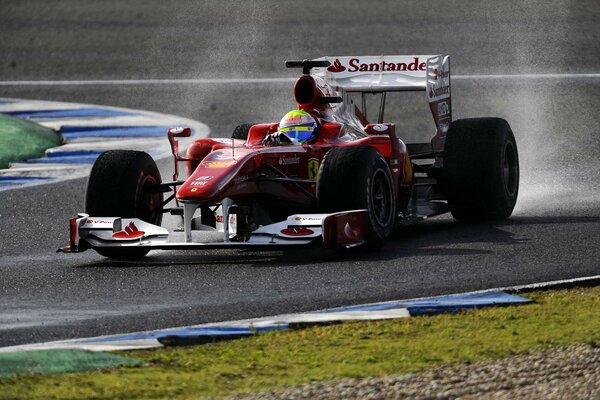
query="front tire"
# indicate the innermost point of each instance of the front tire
(121, 184)
(353, 178)
(481, 169)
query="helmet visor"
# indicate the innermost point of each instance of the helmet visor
(300, 133)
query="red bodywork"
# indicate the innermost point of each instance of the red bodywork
(236, 169)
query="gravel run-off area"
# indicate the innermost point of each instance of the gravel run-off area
(565, 373)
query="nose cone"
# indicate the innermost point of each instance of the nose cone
(217, 174)
(211, 176)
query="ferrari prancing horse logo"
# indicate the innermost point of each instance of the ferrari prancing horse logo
(313, 168)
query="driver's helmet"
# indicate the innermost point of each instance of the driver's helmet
(298, 125)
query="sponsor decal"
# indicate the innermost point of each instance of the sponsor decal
(292, 118)
(308, 219)
(443, 108)
(435, 92)
(444, 127)
(99, 222)
(380, 128)
(218, 164)
(177, 130)
(240, 179)
(437, 74)
(129, 233)
(220, 219)
(355, 65)
(283, 160)
(221, 156)
(336, 66)
(439, 87)
(313, 169)
(194, 190)
(297, 231)
(204, 178)
(198, 183)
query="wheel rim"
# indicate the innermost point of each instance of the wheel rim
(510, 169)
(381, 198)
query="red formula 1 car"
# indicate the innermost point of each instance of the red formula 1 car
(323, 174)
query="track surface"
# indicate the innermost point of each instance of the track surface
(554, 233)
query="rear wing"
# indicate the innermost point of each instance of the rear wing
(379, 74)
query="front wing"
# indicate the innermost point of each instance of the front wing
(337, 230)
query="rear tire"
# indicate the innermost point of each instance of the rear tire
(120, 185)
(481, 169)
(241, 131)
(352, 178)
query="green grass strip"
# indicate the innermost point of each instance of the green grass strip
(58, 361)
(22, 139)
(353, 349)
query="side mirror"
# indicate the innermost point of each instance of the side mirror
(173, 133)
(180, 132)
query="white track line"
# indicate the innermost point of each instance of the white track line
(208, 81)
(147, 81)
(527, 76)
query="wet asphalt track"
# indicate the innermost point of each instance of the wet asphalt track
(554, 233)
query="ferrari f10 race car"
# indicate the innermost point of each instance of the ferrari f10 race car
(323, 174)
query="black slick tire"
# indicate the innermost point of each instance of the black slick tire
(352, 178)
(481, 169)
(121, 185)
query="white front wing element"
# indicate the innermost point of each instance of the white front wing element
(298, 229)
(337, 230)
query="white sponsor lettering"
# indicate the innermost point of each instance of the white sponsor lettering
(355, 65)
(98, 222)
(289, 160)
